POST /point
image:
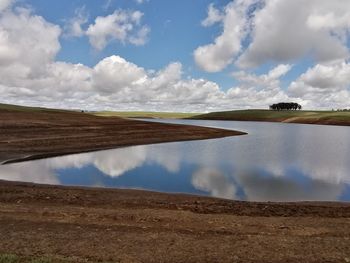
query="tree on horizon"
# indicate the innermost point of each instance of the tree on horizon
(285, 106)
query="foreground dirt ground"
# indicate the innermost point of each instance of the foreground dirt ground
(40, 133)
(104, 225)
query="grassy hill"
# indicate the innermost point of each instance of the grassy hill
(10, 107)
(307, 117)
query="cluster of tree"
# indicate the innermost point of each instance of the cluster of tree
(341, 110)
(285, 106)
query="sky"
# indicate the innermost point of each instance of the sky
(165, 55)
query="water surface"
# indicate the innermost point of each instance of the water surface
(274, 162)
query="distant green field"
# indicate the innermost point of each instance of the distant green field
(146, 114)
(26, 108)
(316, 117)
(18, 108)
(280, 116)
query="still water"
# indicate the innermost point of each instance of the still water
(274, 162)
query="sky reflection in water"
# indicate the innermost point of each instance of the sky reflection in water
(275, 162)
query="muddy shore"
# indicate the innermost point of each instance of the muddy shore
(71, 224)
(37, 134)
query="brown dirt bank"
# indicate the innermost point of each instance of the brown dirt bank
(43, 133)
(106, 225)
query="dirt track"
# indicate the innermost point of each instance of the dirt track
(50, 133)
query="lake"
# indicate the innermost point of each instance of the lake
(274, 162)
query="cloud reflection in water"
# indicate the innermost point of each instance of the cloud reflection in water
(275, 162)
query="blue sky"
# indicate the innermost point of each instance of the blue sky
(176, 32)
(175, 55)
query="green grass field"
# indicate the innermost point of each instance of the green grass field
(285, 116)
(317, 117)
(146, 114)
(26, 108)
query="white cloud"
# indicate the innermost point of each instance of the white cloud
(4, 4)
(27, 44)
(141, 36)
(214, 16)
(269, 80)
(324, 85)
(73, 28)
(259, 91)
(279, 31)
(123, 26)
(36, 78)
(216, 56)
(114, 74)
(141, 1)
(289, 30)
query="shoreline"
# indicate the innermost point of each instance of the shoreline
(59, 154)
(26, 135)
(80, 224)
(206, 204)
(287, 121)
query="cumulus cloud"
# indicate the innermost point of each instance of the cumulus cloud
(216, 56)
(324, 85)
(310, 32)
(21, 31)
(271, 79)
(319, 29)
(73, 27)
(214, 16)
(36, 78)
(4, 4)
(259, 90)
(123, 26)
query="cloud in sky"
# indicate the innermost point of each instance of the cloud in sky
(253, 33)
(123, 26)
(73, 27)
(4, 4)
(280, 31)
(218, 55)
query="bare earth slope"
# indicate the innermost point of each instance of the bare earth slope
(103, 225)
(40, 132)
